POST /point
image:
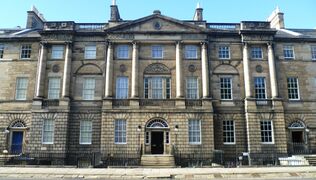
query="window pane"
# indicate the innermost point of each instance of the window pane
(88, 89)
(292, 85)
(156, 88)
(48, 131)
(266, 131)
(122, 88)
(26, 51)
(256, 53)
(260, 88)
(21, 88)
(122, 51)
(120, 131)
(157, 51)
(194, 131)
(85, 132)
(192, 88)
(228, 131)
(226, 88)
(90, 52)
(223, 52)
(313, 52)
(288, 52)
(57, 51)
(53, 88)
(1, 51)
(190, 52)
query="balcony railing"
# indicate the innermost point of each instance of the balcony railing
(50, 103)
(90, 26)
(120, 102)
(264, 102)
(224, 26)
(193, 103)
(157, 102)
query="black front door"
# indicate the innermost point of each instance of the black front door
(156, 142)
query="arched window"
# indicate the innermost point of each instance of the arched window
(18, 124)
(157, 123)
(297, 125)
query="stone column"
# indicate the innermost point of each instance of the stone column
(41, 71)
(179, 75)
(134, 93)
(67, 71)
(273, 78)
(248, 92)
(205, 71)
(109, 72)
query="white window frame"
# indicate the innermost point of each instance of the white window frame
(313, 51)
(297, 89)
(121, 87)
(26, 51)
(190, 89)
(288, 50)
(262, 136)
(148, 87)
(260, 88)
(21, 89)
(88, 132)
(190, 136)
(191, 51)
(226, 132)
(57, 52)
(44, 131)
(88, 93)
(53, 91)
(225, 88)
(120, 134)
(256, 52)
(223, 52)
(157, 51)
(1, 51)
(90, 52)
(122, 51)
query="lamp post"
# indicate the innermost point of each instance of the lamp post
(6, 132)
(139, 129)
(176, 130)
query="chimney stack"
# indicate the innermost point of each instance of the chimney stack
(276, 19)
(198, 16)
(115, 14)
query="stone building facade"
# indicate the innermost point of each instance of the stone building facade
(197, 91)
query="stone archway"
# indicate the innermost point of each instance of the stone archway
(298, 141)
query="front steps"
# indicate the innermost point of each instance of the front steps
(158, 161)
(311, 159)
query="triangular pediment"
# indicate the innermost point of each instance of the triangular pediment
(156, 23)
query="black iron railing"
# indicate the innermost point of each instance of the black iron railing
(198, 158)
(50, 102)
(299, 148)
(193, 103)
(157, 102)
(120, 102)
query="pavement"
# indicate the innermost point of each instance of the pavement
(306, 172)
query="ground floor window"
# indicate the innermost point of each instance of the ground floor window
(85, 132)
(266, 128)
(120, 131)
(229, 132)
(194, 131)
(48, 131)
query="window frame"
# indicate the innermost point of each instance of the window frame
(190, 50)
(119, 89)
(222, 53)
(262, 136)
(18, 88)
(157, 51)
(191, 88)
(122, 51)
(222, 89)
(50, 89)
(2, 47)
(57, 51)
(313, 52)
(90, 53)
(297, 89)
(90, 131)
(148, 89)
(26, 49)
(120, 131)
(255, 51)
(288, 49)
(85, 89)
(51, 131)
(260, 88)
(227, 136)
(200, 132)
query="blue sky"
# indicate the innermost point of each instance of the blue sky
(298, 13)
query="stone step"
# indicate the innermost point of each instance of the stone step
(157, 161)
(311, 159)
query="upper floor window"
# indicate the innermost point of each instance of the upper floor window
(313, 52)
(266, 128)
(226, 88)
(191, 52)
(157, 87)
(293, 88)
(288, 52)
(57, 51)
(192, 88)
(157, 52)
(48, 131)
(26, 50)
(122, 87)
(260, 88)
(88, 89)
(223, 52)
(1, 51)
(256, 53)
(21, 88)
(194, 131)
(122, 51)
(53, 88)
(85, 132)
(120, 131)
(90, 52)
(228, 132)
